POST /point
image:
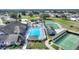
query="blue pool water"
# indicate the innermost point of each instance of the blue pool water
(35, 31)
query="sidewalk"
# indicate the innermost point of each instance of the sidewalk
(48, 45)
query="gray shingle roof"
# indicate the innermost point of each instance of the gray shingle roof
(10, 28)
(9, 39)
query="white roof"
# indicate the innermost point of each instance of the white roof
(72, 18)
(24, 19)
(1, 22)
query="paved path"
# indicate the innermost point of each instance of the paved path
(48, 45)
(25, 45)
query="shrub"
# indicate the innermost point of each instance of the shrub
(71, 26)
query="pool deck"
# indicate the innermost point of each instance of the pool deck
(42, 35)
(60, 30)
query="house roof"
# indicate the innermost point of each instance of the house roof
(14, 27)
(8, 39)
(8, 18)
(1, 26)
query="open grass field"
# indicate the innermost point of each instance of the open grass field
(28, 17)
(70, 25)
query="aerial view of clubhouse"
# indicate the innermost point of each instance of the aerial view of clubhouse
(44, 29)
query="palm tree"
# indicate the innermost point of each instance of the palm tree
(19, 16)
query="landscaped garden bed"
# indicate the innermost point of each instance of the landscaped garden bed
(36, 45)
(15, 47)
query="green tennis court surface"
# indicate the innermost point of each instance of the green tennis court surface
(68, 41)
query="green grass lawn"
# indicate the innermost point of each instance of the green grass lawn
(36, 45)
(28, 17)
(71, 25)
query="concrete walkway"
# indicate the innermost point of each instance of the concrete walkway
(25, 45)
(48, 45)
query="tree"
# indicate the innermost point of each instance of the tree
(44, 16)
(31, 14)
(56, 16)
(13, 15)
(35, 12)
(23, 13)
(64, 17)
(19, 16)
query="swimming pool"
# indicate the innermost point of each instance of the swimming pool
(35, 32)
(68, 41)
(51, 24)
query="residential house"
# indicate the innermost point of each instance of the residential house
(12, 33)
